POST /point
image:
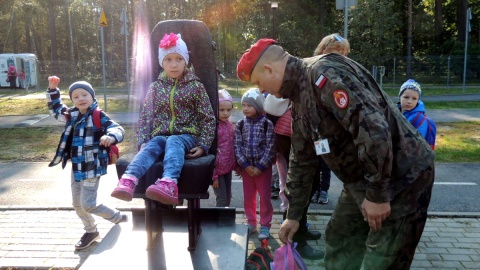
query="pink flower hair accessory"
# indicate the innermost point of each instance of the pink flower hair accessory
(168, 41)
(172, 43)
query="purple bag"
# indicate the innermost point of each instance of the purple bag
(287, 258)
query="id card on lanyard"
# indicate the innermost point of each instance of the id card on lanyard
(322, 147)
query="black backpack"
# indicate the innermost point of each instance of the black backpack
(260, 258)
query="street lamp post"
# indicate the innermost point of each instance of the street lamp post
(274, 6)
(345, 5)
(467, 30)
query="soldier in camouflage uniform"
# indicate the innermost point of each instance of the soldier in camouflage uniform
(387, 168)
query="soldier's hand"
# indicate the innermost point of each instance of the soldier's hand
(287, 230)
(375, 213)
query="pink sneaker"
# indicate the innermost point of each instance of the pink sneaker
(124, 189)
(164, 190)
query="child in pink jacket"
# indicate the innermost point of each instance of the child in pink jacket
(225, 161)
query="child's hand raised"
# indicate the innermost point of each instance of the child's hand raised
(53, 82)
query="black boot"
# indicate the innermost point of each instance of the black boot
(315, 197)
(308, 235)
(310, 253)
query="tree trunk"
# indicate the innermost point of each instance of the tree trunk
(12, 18)
(462, 6)
(438, 24)
(53, 35)
(322, 19)
(37, 42)
(70, 37)
(409, 39)
(28, 37)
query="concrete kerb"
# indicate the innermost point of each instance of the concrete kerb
(238, 211)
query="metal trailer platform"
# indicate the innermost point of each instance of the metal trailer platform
(222, 243)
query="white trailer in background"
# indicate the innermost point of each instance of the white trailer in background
(25, 61)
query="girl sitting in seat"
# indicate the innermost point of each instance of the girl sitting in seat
(176, 120)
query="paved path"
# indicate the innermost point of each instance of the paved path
(44, 239)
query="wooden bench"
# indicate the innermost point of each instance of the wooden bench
(196, 174)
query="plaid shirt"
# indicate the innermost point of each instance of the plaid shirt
(80, 138)
(255, 146)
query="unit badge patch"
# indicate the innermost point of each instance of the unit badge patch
(341, 98)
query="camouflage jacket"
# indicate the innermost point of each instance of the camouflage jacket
(374, 151)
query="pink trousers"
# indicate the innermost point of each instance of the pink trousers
(252, 186)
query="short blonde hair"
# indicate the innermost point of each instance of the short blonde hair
(333, 43)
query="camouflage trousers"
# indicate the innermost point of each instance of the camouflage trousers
(349, 241)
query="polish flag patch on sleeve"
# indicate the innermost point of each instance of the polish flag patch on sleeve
(321, 81)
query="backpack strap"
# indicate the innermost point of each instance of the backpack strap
(242, 122)
(96, 118)
(431, 132)
(418, 120)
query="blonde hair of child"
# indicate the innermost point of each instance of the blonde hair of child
(333, 43)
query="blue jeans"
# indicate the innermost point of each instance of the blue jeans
(175, 147)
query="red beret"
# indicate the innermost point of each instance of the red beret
(250, 58)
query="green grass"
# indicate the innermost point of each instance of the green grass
(428, 90)
(456, 142)
(236, 88)
(40, 143)
(26, 106)
(451, 105)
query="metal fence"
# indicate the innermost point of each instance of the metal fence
(441, 71)
(92, 71)
(447, 71)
